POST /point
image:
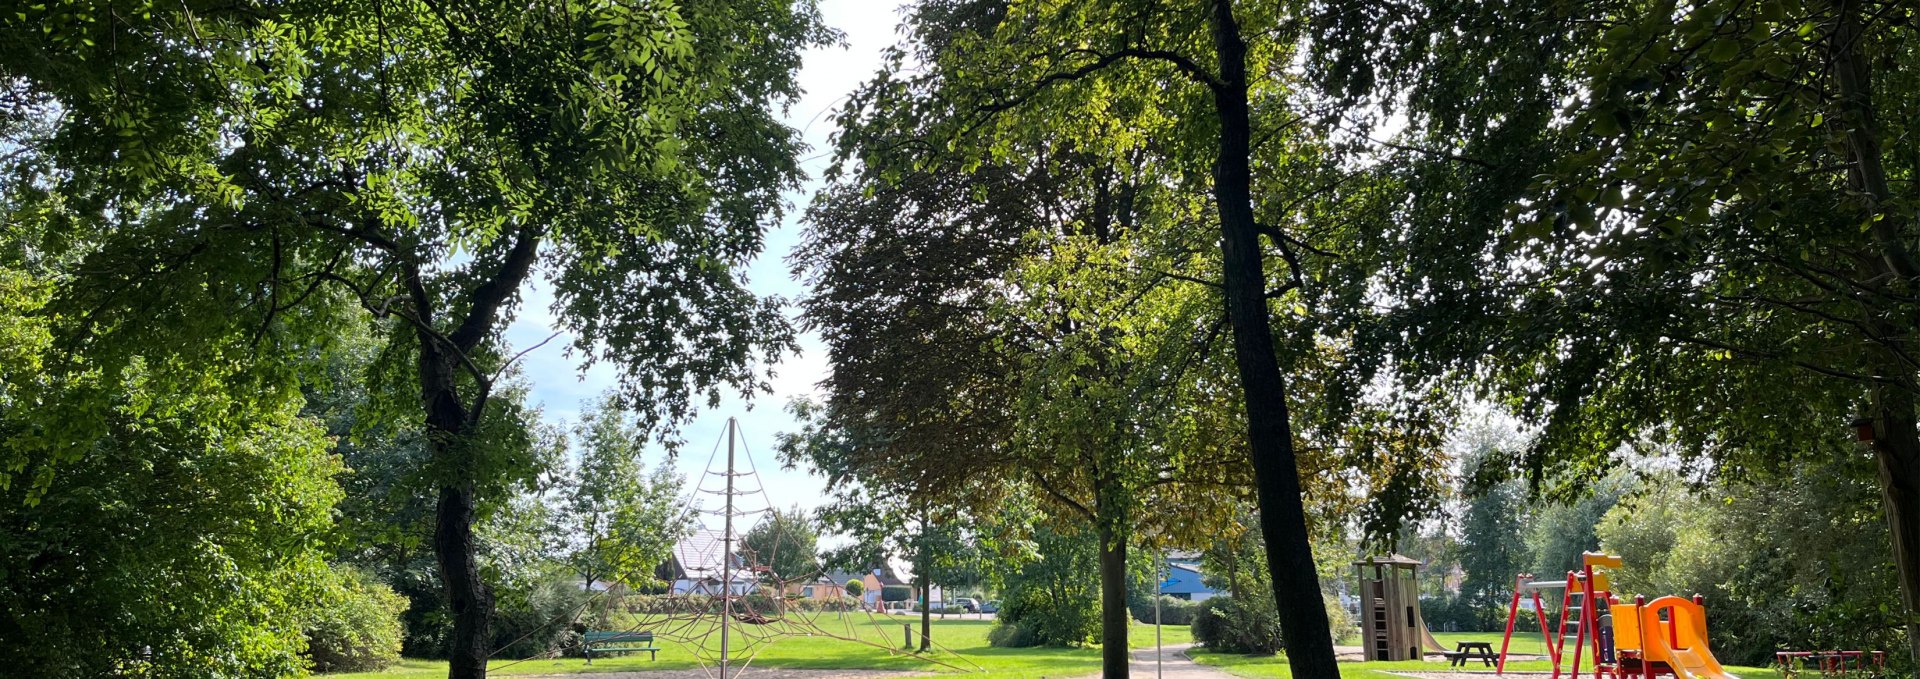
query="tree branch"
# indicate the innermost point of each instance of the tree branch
(1192, 69)
(488, 298)
(1057, 495)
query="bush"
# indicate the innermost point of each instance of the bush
(896, 593)
(1228, 625)
(1172, 611)
(1044, 620)
(1054, 600)
(540, 621)
(358, 628)
(856, 588)
(1011, 635)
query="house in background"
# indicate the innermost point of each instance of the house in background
(1184, 580)
(871, 582)
(823, 587)
(695, 567)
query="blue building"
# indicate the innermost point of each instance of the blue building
(1184, 581)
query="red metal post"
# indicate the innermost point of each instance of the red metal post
(1513, 612)
(1540, 613)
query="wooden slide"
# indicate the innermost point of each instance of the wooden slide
(1426, 638)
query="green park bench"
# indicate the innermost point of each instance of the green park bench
(620, 642)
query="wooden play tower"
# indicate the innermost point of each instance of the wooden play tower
(1390, 608)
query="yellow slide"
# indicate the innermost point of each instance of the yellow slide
(1681, 640)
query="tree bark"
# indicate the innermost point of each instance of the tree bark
(1896, 442)
(1296, 586)
(449, 421)
(467, 594)
(1896, 446)
(925, 575)
(1114, 617)
(454, 548)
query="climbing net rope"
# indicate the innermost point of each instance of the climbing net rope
(728, 610)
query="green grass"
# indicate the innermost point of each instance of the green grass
(1524, 643)
(964, 641)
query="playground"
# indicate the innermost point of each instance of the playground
(1591, 630)
(1551, 633)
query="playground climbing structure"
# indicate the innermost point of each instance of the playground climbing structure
(1593, 630)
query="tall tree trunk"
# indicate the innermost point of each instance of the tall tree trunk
(453, 544)
(925, 575)
(468, 595)
(1896, 445)
(1283, 520)
(1114, 617)
(1897, 435)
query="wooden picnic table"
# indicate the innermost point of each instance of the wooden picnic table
(1832, 663)
(1471, 650)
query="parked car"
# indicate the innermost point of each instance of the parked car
(990, 607)
(968, 604)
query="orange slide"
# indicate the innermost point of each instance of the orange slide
(1679, 642)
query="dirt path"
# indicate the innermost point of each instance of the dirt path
(1174, 664)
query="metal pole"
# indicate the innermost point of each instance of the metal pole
(726, 558)
(1159, 577)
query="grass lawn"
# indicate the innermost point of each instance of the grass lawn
(965, 643)
(1524, 643)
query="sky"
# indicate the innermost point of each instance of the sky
(562, 389)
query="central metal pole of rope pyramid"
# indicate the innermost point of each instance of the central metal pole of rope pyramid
(726, 558)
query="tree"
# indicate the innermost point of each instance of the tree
(1703, 197)
(237, 177)
(1793, 561)
(625, 519)
(188, 540)
(1179, 96)
(1493, 531)
(888, 516)
(1053, 597)
(787, 542)
(1493, 549)
(855, 588)
(1562, 531)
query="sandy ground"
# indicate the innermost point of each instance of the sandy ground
(1473, 675)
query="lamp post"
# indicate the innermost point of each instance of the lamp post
(1159, 578)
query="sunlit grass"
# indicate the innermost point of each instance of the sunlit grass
(870, 642)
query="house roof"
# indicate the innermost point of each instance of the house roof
(1390, 559)
(699, 556)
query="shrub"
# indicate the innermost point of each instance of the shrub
(1228, 625)
(1011, 635)
(1055, 599)
(540, 621)
(856, 588)
(358, 628)
(1046, 620)
(896, 593)
(1172, 611)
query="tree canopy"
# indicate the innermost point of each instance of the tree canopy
(231, 183)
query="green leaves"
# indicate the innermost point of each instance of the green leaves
(1655, 253)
